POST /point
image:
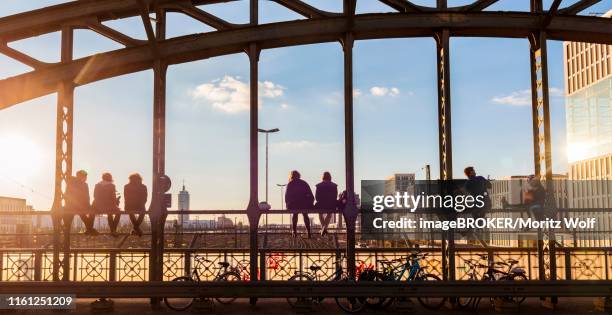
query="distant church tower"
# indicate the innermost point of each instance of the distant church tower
(183, 204)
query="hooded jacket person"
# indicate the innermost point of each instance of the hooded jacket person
(105, 195)
(326, 194)
(77, 195)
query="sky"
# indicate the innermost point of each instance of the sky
(301, 94)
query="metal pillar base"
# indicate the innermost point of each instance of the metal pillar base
(102, 306)
(603, 304)
(404, 305)
(504, 305)
(203, 306)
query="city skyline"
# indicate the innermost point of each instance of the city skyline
(207, 137)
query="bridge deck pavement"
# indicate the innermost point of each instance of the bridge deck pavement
(566, 306)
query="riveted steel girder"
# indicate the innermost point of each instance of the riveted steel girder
(367, 26)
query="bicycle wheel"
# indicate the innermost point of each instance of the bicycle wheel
(518, 277)
(179, 304)
(228, 276)
(350, 304)
(375, 302)
(299, 277)
(465, 302)
(428, 302)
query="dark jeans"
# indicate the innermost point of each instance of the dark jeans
(294, 218)
(113, 221)
(137, 219)
(88, 220)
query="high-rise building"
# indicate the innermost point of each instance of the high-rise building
(183, 204)
(588, 90)
(401, 182)
(13, 223)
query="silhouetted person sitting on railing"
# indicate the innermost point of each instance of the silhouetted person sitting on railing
(535, 197)
(135, 194)
(477, 186)
(326, 194)
(77, 202)
(298, 198)
(107, 201)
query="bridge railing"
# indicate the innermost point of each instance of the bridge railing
(129, 262)
(131, 265)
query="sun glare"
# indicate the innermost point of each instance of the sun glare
(578, 151)
(20, 157)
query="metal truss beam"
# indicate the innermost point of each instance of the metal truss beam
(112, 34)
(444, 105)
(63, 165)
(305, 9)
(554, 8)
(53, 18)
(194, 47)
(350, 212)
(405, 6)
(157, 210)
(283, 289)
(21, 57)
(479, 5)
(578, 7)
(253, 212)
(201, 15)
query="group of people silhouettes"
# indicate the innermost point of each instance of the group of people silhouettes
(106, 201)
(299, 199)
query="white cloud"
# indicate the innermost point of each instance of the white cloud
(270, 90)
(231, 95)
(284, 106)
(518, 98)
(384, 91)
(523, 97)
(357, 93)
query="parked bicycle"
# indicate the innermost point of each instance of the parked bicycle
(349, 305)
(225, 273)
(493, 272)
(394, 270)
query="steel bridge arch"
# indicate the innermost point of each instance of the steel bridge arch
(138, 56)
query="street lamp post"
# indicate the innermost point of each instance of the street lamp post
(282, 187)
(267, 132)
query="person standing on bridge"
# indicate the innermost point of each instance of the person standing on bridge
(77, 201)
(107, 201)
(326, 194)
(135, 194)
(299, 199)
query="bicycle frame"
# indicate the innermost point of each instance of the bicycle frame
(195, 274)
(411, 264)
